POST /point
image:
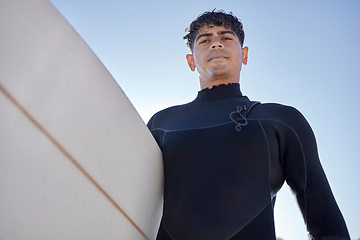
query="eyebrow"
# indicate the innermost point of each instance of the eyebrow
(211, 34)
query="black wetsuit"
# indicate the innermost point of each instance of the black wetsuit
(225, 158)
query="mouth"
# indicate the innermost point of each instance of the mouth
(215, 57)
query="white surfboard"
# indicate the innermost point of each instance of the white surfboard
(76, 160)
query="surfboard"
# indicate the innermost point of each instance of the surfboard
(76, 159)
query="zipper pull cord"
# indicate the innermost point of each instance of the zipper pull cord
(239, 117)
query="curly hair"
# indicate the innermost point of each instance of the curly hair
(215, 18)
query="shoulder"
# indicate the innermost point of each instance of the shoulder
(166, 115)
(285, 117)
(276, 111)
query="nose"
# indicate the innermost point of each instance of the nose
(216, 45)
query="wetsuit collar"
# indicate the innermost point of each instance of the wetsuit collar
(222, 91)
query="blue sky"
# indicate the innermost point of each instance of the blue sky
(301, 53)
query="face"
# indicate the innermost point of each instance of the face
(217, 54)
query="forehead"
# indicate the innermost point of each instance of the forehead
(211, 29)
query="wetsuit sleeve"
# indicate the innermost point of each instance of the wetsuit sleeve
(157, 133)
(305, 176)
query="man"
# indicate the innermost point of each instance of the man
(226, 157)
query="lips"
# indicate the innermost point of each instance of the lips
(217, 56)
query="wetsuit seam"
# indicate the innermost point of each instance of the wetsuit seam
(269, 157)
(304, 162)
(253, 105)
(250, 220)
(167, 232)
(216, 125)
(163, 139)
(197, 128)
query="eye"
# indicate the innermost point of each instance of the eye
(203, 41)
(227, 38)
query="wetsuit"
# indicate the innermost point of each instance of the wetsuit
(225, 158)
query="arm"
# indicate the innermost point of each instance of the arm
(305, 176)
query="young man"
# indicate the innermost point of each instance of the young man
(226, 157)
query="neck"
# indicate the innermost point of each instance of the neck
(216, 81)
(219, 93)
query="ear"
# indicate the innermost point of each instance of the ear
(245, 51)
(190, 61)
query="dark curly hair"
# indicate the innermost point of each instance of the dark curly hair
(216, 18)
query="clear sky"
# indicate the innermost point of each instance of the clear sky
(301, 53)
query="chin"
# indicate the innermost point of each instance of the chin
(220, 72)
